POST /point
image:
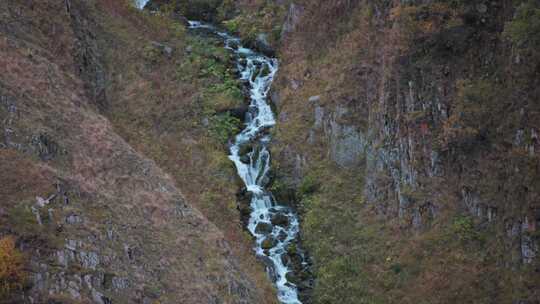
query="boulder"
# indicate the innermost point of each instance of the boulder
(268, 243)
(280, 219)
(263, 228)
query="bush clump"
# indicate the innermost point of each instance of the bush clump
(223, 127)
(12, 275)
(523, 30)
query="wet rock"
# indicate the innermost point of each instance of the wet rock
(245, 149)
(265, 71)
(292, 277)
(282, 236)
(269, 243)
(244, 205)
(239, 112)
(245, 159)
(263, 228)
(245, 211)
(280, 219)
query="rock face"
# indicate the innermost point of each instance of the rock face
(98, 221)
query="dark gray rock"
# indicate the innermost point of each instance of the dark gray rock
(280, 220)
(263, 228)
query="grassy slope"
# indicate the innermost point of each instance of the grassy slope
(174, 110)
(362, 55)
(60, 145)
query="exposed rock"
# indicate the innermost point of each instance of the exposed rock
(268, 243)
(46, 147)
(73, 219)
(89, 259)
(163, 48)
(293, 18)
(280, 219)
(263, 228)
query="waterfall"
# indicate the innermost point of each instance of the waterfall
(141, 3)
(273, 226)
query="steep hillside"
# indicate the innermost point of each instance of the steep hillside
(85, 216)
(407, 140)
(408, 137)
(409, 131)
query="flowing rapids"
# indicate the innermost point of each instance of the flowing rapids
(272, 240)
(141, 3)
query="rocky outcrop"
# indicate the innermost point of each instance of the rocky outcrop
(87, 54)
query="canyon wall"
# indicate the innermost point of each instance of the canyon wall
(414, 124)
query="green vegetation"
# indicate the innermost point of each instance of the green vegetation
(342, 245)
(265, 19)
(177, 111)
(308, 186)
(224, 126)
(198, 9)
(463, 228)
(524, 29)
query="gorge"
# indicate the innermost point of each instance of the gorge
(403, 137)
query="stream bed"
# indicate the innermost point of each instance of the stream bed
(274, 226)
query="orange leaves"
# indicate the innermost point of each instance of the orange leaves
(11, 267)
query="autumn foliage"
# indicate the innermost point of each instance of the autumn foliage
(11, 267)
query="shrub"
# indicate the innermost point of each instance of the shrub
(226, 10)
(11, 268)
(199, 9)
(308, 186)
(524, 29)
(224, 126)
(463, 228)
(476, 116)
(232, 25)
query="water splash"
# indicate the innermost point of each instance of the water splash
(141, 3)
(258, 72)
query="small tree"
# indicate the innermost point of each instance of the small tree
(11, 268)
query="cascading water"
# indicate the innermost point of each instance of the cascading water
(274, 227)
(141, 3)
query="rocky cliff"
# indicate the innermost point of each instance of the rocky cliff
(414, 124)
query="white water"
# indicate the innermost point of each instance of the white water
(141, 3)
(259, 71)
